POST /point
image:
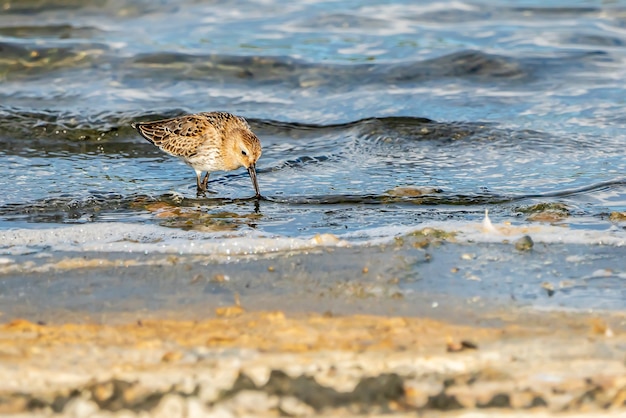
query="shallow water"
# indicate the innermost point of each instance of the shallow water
(376, 119)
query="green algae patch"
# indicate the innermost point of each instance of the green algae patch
(407, 191)
(428, 236)
(545, 212)
(434, 233)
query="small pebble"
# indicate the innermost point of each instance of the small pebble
(196, 278)
(294, 407)
(454, 346)
(171, 356)
(220, 278)
(170, 406)
(525, 243)
(79, 407)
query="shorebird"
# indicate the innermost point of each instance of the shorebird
(208, 141)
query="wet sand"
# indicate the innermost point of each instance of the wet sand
(422, 324)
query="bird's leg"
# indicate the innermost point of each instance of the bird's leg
(201, 185)
(205, 182)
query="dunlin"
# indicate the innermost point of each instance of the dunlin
(209, 141)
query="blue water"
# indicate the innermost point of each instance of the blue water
(470, 105)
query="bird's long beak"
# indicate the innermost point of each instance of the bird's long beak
(252, 172)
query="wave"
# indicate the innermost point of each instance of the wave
(21, 123)
(27, 132)
(61, 31)
(22, 59)
(97, 205)
(299, 73)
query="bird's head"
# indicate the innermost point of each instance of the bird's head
(244, 151)
(246, 148)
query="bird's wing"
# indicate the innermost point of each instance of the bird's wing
(181, 136)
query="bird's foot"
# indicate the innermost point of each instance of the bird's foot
(203, 192)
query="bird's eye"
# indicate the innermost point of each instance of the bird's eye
(243, 152)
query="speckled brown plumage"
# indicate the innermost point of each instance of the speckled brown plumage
(208, 141)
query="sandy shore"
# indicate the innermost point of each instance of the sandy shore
(270, 363)
(420, 325)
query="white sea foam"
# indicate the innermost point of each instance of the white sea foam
(129, 238)
(146, 239)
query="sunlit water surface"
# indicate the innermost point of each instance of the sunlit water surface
(376, 119)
